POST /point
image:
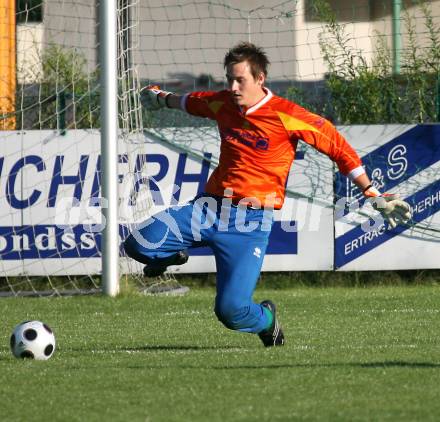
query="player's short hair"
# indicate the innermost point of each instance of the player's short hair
(246, 51)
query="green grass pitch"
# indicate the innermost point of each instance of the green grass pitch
(352, 354)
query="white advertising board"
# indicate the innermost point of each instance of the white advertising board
(400, 159)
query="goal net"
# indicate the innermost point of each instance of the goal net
(50, 157)
(355, 63)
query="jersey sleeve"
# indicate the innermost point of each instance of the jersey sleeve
(202, 104)
(323, 136)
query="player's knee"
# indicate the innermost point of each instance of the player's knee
(231, 314)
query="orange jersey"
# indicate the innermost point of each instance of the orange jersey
(258, 145)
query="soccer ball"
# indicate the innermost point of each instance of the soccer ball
(32, 339)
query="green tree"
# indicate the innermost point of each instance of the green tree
(68, 94)
(361, 92)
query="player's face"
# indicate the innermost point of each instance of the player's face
(245, 89)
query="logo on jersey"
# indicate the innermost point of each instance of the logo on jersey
(245, 137)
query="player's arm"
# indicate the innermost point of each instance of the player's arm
(323, 136)
(154, 98)
(194, 103)
(393, 209)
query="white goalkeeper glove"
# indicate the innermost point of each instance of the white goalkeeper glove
(393, 209)
(154, 98)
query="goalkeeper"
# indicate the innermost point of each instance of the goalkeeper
(259, 134)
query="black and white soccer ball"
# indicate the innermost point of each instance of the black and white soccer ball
(34, 340)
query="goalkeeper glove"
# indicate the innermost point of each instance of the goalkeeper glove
(393, 209)
(154, 98)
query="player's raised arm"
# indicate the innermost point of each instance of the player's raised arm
(154, 98)
(200, 104)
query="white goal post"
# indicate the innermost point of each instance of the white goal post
(108, 24)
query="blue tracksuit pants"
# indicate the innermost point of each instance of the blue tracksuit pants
(238, 237)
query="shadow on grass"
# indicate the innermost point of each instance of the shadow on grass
(163, 348)
(398, 363)
(174, 348)
(374, 365)
(153, 348)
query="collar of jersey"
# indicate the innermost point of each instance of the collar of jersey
(261, 103)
